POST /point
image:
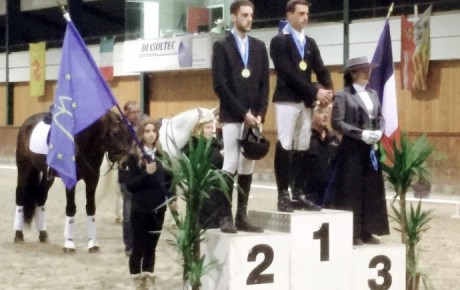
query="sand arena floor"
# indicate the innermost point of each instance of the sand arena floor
(32, 265)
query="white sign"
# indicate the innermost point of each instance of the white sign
(158, 54)
(246, 261)
(379, 267)
(321, 246)
(175, 53)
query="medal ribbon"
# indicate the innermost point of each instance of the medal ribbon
(300, 45)
(375, 163)
(245, 54)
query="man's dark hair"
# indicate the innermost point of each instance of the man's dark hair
(235, 6)
(290, 6)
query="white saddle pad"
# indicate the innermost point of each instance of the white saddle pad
(38, 138)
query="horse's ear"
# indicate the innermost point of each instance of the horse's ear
(215, 111)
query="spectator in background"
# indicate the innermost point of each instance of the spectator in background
(133, 115)
(216, 206)
(320, 157)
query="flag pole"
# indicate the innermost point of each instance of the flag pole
(60, 5)
(390, 10)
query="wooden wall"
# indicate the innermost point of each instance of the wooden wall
(2, 105)
(124, 89)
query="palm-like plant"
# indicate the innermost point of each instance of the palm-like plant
(404, 164)
(417, 223)
(195, 177)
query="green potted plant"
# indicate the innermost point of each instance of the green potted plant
(194, 177)
(405, 163)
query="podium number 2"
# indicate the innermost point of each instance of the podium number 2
(256, 276)
(323, 236)
(384, 273)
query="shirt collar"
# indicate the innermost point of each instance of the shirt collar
(150, 152)
(359, 88)
(300, 35)
(238, 38)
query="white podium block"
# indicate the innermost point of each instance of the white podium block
(379, 267)
(246, 261)
(321, 246)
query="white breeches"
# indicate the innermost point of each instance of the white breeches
(293, 123)
(233, 159)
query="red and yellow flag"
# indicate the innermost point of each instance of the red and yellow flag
(421, 58)
(37, 56)
(407, 53)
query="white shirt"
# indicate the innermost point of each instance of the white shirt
(364, 95)
(150, 152)
(241, 42)
(300, 36)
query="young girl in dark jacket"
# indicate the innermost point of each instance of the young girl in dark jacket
(149, 183)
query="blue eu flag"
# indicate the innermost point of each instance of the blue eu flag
(82, 97)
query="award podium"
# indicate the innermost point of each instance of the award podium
(301, 250)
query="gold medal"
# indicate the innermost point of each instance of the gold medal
(246, 73)
(303, 65)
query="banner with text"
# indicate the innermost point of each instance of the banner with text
(158, 54)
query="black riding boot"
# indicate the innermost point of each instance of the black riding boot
(299, 167)
(241, 220)
(226, 222)
(282, 178)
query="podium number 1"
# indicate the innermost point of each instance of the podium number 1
(323, 236)
(256, 276)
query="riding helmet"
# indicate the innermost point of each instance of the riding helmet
(254, 145)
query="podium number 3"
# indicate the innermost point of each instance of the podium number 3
(256, 276)
(384, 273)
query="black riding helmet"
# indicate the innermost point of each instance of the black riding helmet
(253, 144)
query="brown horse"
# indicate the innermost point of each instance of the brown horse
(108, 134)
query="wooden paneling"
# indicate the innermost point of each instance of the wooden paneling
(2, 105)
(126, 89)
(175, 92)
(8, 148)
(25, 105)
(436, 109)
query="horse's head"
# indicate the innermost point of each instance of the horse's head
(116, 136)
(175, 132)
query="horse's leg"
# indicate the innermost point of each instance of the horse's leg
(24, 198)
(40, 220)
(70, 210)
(93, 244)
(19, 224)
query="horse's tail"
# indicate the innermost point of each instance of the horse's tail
(30, 196)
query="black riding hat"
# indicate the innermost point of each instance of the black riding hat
(253, 144)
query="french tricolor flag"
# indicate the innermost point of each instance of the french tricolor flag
(382, 80)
